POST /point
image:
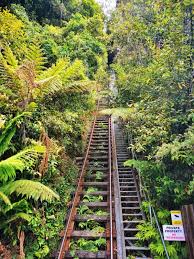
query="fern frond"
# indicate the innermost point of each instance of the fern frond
(50, 85)
(5, 198)
(21, 205)
(75, 72)
(20, 215)
(23, 159)
(31, 189)
(5, 139)
(7, 76)
(10, 58)
(55, 69)
(81, 86)
(9, 132)
(36, 54)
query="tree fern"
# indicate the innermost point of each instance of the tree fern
(30, 189)
(9, 132)
(18, 162)
(36, 54)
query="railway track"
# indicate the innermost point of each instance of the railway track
(91, 218)
(95, 229)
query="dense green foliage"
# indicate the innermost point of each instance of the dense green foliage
(52, 60)
(55, 12)
(154, 77)
(154, 73)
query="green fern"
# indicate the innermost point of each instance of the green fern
(75, 72)
(21, 205)
(30, 189)
(157, 249)
(23, 159)
(163, 216)
(55, 70)
(6, 75)
(9, 132)
(20, 215)
(5, 198)
(81, 86)
(49, 85)
(36, 54)
(9, 58)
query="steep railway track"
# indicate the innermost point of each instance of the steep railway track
(91, 218)
(105, 211)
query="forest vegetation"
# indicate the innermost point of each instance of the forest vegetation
(154, 77)
(53, 61)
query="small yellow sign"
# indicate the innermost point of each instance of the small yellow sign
(176, 217)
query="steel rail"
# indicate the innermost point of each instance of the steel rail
(110, 191)
(77, 193)
(121, 253)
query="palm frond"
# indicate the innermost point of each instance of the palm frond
(25, 158)
(9, 132)
(36, 54)
(31, 189)
(5, 198)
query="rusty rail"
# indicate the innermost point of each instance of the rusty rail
(110, 191)
(65, 241)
